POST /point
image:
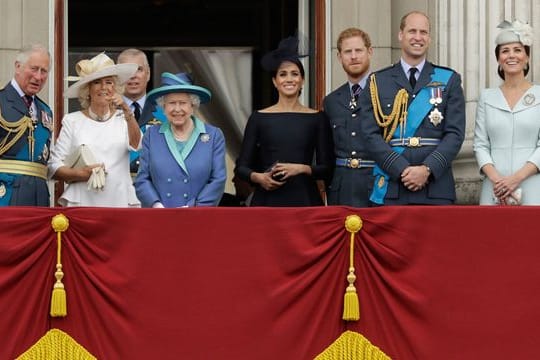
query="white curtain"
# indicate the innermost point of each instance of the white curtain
(226, 72)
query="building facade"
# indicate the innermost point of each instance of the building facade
(463, 34)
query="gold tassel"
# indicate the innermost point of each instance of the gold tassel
(351, 305)
(59, 223)
(352, 345)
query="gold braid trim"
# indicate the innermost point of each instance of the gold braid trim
(398, 114)
(58, 345)
(18, 128)
(352, 346)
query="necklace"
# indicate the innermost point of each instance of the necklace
(98, 118)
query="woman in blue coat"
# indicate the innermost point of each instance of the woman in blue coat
(182, 161)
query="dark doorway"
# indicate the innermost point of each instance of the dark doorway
(151, 24)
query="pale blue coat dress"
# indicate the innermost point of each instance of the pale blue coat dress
(508, 138)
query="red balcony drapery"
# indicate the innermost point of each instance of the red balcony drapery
(257, 283)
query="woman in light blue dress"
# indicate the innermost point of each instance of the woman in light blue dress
(507, 131)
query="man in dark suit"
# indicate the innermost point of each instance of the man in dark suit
(353, 175)
(415, 123)
(26, 125)
(135, 96)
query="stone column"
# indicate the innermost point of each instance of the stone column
(463, 34)
(23, 22)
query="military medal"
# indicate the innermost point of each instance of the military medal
(352, 103)
(46, 120)
(435, 117)
(45, 152)
(529, 99)
(436, 96)
(355, 91)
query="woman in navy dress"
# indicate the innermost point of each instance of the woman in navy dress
(287, 147)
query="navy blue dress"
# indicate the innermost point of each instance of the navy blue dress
(289, 137)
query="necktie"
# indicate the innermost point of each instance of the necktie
(28, 100)
(136, 110)
(412, 77)
(356, 91)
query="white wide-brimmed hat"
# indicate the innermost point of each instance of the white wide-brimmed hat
(98, 67)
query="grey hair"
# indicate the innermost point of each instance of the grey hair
(24, 53)
(195, 100)
(84, 93)
(133, 52)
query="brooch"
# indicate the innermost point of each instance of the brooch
(205, 137)
(3, 190)
(529, 99)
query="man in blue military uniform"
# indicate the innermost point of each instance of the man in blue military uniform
(414, 124)
(26, 125)
(353, 175)
(135, 97)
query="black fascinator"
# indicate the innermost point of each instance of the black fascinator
(286, 51)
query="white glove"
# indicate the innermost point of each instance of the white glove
(97, 179)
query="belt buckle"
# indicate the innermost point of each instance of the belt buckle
(414, 142)
(354, 163)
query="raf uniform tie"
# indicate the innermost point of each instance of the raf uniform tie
(28, 101)
(136, 110)
(412, 76)
(355, 90)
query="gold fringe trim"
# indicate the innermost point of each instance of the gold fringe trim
(56, 345)
(59, 223)
(351, 305)
(17, 129)
(352, 346)
(398, 115)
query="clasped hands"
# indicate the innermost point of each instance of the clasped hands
(277, 175)
(415, 178)
(503, 189)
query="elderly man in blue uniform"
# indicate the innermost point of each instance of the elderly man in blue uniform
(135, 97)
(414, 124)
(26, 125)
(353, 175)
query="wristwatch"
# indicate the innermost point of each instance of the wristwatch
(428, 169)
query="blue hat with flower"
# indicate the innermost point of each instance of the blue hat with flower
(178, 83)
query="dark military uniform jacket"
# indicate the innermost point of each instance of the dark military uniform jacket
(350, 185)
(146, 119)
(16, 189)
(450, 132)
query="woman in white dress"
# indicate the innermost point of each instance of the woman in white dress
(106, 130)
(507, 131)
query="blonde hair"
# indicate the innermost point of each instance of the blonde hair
(84, 93)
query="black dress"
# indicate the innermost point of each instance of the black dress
(289, 137)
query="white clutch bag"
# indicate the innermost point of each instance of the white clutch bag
(83, 156)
